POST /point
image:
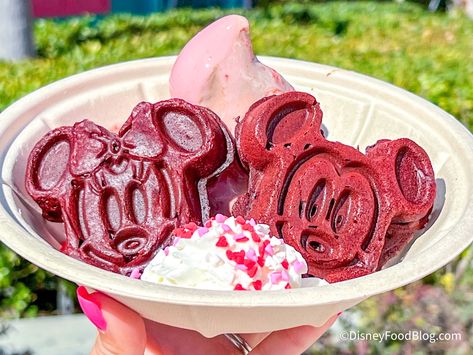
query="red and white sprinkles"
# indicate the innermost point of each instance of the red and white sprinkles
(227, 253)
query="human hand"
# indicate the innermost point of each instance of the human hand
(123, 331)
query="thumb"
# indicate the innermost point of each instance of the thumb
(120, 330)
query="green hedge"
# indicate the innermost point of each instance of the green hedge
(428, 54)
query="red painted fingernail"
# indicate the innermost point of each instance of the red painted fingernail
(91, 307)
(338, 314)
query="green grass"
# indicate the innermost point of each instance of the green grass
(428, 54)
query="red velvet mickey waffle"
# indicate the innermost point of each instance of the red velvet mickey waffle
(334, 204)
(120, 196)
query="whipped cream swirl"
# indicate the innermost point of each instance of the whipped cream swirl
(227, 254)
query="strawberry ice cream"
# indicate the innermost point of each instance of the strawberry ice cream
(218, 69)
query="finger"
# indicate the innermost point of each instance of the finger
(253, 339)
(172, 340)
(292, 341)
(121, 330)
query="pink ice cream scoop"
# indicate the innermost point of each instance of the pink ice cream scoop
(218, 69)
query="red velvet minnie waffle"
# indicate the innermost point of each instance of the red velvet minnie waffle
(120, 196)
(334, 204)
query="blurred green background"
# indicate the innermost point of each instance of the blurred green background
(430, 54)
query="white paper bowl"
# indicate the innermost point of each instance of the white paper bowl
(358, 110)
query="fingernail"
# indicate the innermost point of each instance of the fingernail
(91, 307)
(338, 314)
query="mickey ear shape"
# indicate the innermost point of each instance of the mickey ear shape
(47, 171)
(409, 175)
(276, 122)
(194, 135)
